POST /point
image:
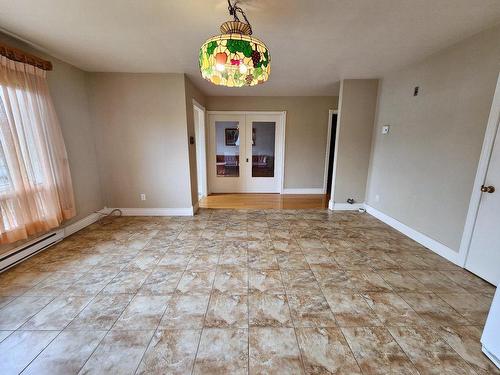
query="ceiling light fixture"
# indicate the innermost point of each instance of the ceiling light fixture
(235, 58)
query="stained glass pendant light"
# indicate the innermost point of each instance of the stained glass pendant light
(235, 58)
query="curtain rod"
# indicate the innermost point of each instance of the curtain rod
(24, 57)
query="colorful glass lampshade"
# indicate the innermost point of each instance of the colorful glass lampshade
(235, 58)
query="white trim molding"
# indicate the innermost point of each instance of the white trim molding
(417, 236)
(303, 191)
(187, 211)
(345, 206)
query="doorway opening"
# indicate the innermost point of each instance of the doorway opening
(331, 152)
(200, 143)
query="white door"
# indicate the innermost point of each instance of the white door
(484, 252)
(227, 150)
(246, 153)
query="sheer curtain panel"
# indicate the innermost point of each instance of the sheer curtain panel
(36, 193)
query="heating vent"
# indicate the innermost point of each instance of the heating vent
(17, 255)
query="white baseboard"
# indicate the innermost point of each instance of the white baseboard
(303, 191)
(80, 224)
(345, 206)
(437, 247)
(188, 211)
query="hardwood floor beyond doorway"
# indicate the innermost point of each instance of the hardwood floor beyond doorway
(260, 201)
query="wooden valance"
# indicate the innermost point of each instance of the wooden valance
(24, 57)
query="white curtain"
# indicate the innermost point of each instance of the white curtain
(36, 193)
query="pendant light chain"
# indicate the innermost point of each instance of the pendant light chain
(234, 9)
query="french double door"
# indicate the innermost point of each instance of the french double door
(245, 152)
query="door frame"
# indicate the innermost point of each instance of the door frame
(201, 147)
(482, 170)
(280, 168)
(331, 112)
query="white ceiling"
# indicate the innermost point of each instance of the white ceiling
(313, 43)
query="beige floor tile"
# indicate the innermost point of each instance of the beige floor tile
(325, 351)
(265, 281)
(66, 354)
(436, 281)
(185, 311)
(170, 352)
(351, 310)
(203, 262)
(5, 300)
(20, 310)
(261, 261)
(230, 281)
(4, 335)
(57, 314)
(118, 353)
(290, 275)
(126, 282)
(464, 302)
(309, 310)
(101, 313)
(433, 309)
(402, 281)
(392, 309)
(162, 281)
(376, 352)
(91, 283)
(274, 351)
(222, 351)
(429, 353)
(470, 282)
(269, 310)
(196, 282)
(142, 313)
(19, 349)
(227, 311)
(367, 281)
(300, 281)
(465, 340)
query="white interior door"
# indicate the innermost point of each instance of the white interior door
(227, 150)
(484, 252)
(245, 153)
(263, 153)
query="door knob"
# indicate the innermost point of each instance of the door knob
(488, 189)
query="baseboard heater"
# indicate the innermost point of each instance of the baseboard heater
(18, 254)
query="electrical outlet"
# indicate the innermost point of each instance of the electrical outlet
(143, 197)
(385, 129)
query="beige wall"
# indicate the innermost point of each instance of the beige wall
(357, 104)
(423, 170)
(306, 131)
(191, 93)
(67, 86)
(141, 138)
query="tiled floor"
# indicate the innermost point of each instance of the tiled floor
(230, 292)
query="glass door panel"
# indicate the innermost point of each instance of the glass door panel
(263, 148)
(227, 156)
(226, 153)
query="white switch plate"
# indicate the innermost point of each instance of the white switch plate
(385, 129)
(143, 197)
